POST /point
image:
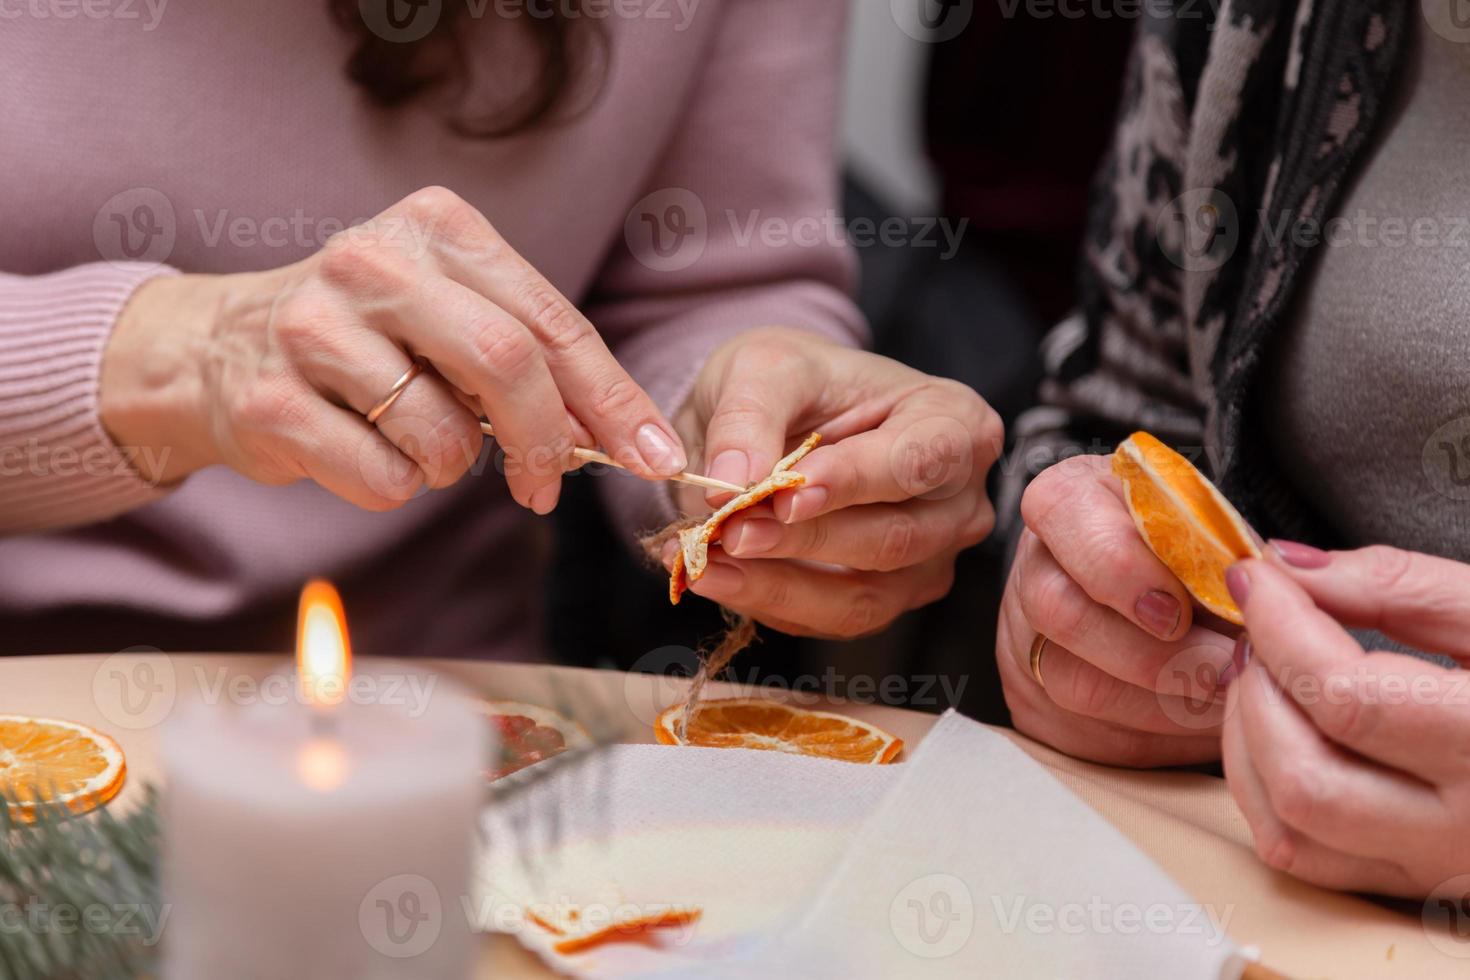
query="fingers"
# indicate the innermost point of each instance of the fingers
(1385, 706)
(340, 451)
(821, 601)
(428, 422)
(874, 537)
(1289, 850)
(492, 356)
(1079, 688)
(620, 415)
(1416, 598)
(1076, 509)
(759, 400)
(938, 443)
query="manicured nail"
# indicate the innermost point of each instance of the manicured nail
(543, 501)
(1239, 584)
(731, 466)
(752, 536)
(1159, 613)
(806, 502)
(720, 579)
(661, 453)
(1301, 555)
(1242, 654)
(1230, 673)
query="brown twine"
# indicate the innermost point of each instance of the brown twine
(739, 633)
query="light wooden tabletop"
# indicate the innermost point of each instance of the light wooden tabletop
(1186, 822)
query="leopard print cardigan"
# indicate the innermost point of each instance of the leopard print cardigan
(1237, 125)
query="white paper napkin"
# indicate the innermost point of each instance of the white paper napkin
(969, 860)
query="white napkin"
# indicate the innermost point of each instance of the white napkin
(969, 860)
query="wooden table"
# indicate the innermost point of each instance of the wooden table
(1187, 823)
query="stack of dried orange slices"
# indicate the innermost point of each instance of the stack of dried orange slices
(46, 762)
(1185, 521)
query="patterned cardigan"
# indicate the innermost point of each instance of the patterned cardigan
(1235, 124)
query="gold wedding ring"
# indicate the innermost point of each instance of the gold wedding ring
(1038, 647)
(414, 370)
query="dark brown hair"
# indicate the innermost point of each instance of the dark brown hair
(395, 72)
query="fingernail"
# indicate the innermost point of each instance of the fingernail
(752, 536)
(1301, 555)
(1159, 613)
(731, 466)
(1241, 655)
(1226, 676)
(720, 579)
(661, 453)
(671, 548)
(543, 501)
(806, 502)
(1239, 584)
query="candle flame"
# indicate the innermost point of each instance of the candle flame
(323, 652)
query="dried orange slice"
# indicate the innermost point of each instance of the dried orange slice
(694, 542)
(756, 723)
(1184, 520)
(46, 762)
(576, 939)
(526, 734)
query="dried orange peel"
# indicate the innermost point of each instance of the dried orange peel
(621, 930)
(693, 556)
(1185, 521)
(46, 762)
(757, 723)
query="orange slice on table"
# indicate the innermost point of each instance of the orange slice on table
(526, 734)
(756, 723)
(576, 939)
(1184, 520)
(45, 762)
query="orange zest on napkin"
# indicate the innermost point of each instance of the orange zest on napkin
(756, 723)
(623, 930)
(47, 762)
(694, 542)
(1184, 520)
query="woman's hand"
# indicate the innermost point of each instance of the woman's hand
(1353, 768)
(1130, 677)
(273, 372)
(894, 492)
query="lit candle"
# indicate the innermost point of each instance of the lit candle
(327, 833)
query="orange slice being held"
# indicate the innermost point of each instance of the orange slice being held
(756, 723)
(1185, 521)
(46, 762)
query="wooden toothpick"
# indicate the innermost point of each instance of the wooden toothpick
(595, 456)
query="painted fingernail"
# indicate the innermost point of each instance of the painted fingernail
(720, 579)
(1239, 584)
(1159, 613)
(731, 466)
(1241, 655)
(661, 453)
(806, 502)
(753, 536)
(543, 501)
(1301, 555)
(1226, 676)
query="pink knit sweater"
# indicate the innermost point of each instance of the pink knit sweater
(218, 136)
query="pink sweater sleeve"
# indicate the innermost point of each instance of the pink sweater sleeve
(741, 225)
(58, 467)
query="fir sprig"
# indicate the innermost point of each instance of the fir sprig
(79, 896)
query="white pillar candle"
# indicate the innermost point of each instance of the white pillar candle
(322, 841)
